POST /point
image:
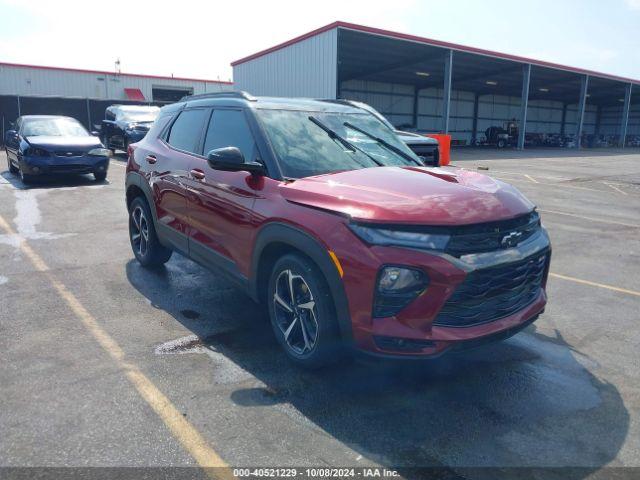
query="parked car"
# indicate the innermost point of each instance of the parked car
(44, 145)
(126, 124)
(318, 211)
(426, 148)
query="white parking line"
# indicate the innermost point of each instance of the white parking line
(592, 219)
(615, 188)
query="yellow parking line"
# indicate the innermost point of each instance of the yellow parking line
(531, 178)
(183, 431)
(594, 284)
(592, 219)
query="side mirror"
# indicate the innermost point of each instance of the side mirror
(10, 136)
(231, 159)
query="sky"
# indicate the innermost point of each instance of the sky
(199, 39)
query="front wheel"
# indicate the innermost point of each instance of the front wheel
(302, 312)
(12, 168)
(142, 233)
(100, 176)
(24, 178)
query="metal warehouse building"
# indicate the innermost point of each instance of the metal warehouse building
(429, 85)
(84, 94)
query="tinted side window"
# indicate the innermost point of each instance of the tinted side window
(229, 128)
(185, 131)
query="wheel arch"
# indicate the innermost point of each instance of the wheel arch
(277, 239)
(136, 185)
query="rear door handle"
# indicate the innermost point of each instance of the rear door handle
(151, 159)
(197, 174)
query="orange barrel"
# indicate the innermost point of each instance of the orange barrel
(444, 145)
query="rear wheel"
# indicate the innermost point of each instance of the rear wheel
(502, 143)
(100, 176)
(142, 233)
(302, 312)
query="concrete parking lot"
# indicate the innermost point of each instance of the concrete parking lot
(104, 363)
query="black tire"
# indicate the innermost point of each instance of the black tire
(502, 143)
(25, 179)
(100, 176)
(12, 168)
(147, 249)
(313, 338)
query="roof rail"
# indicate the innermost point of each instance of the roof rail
(230, 94)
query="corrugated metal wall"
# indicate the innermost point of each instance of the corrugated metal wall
(611, 117)
(304, 69)
(29, 81)
(395, 101)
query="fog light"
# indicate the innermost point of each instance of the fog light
(101, 167)
(396, 288)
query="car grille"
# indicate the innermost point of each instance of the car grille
(68, 154)
(492, 293)
(70, 169)
(423, 150)
(488, 237)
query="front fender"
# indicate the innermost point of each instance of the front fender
(300, 240)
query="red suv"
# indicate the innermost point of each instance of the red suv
(318, 211)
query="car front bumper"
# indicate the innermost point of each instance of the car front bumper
(54, 165)
(416, 331)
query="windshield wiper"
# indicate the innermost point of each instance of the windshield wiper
(346, 143)
(382, 142)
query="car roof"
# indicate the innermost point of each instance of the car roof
(242, 99)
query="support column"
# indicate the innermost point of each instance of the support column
(596, 131)
(89, 116)
(524, 104)
(625, 115)
(19, 109)
(563, 122)
(474, 128)
(416, 96)
(446, 93)
(582, 103)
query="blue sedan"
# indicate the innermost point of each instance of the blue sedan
(44, 145)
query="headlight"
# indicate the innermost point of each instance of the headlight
(100, 152)
(396, 288)
(398, 238)
(36, 152)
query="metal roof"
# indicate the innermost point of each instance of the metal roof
(104, 72)
(469, 51)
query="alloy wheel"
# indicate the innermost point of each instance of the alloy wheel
(139, 231)
(295, 312)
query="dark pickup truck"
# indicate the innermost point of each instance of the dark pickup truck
(126, 124)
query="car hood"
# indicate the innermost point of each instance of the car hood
(412, 195)
(410, 138)
(65, 142)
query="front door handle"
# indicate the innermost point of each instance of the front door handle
(151, 159)
(197, 174)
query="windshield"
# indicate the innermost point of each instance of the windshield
(305, 149)
(53, 127)
(140, 114)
